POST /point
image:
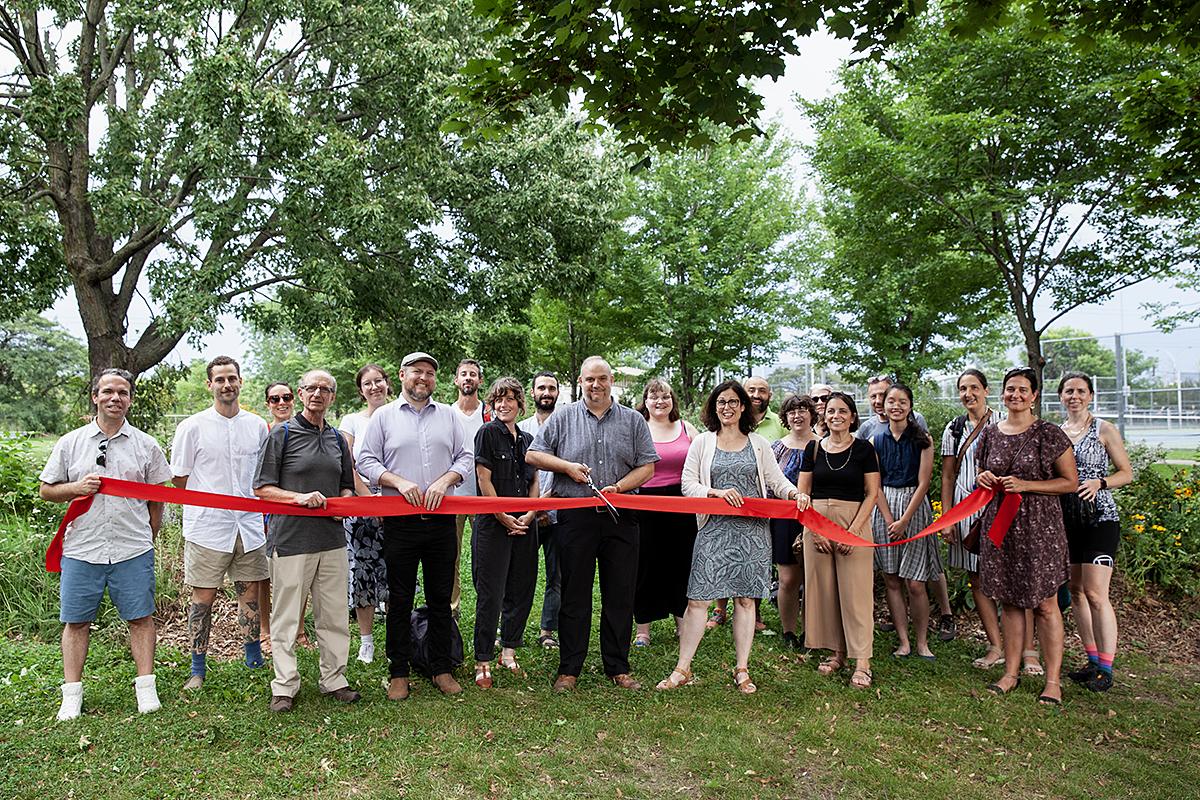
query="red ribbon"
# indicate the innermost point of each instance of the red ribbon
(396, 506)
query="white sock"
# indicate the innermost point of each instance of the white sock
(147, 694)
(72, 701)
(368, 638)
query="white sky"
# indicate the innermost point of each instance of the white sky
(812, 76)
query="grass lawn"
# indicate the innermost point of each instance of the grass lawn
(923, 731)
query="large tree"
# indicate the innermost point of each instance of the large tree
(1007, 156)
(707, 274)
(42, 371)
(198, 156)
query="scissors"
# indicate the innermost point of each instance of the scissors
(612, 510)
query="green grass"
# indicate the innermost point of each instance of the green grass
(922, 731)
(1182, 455)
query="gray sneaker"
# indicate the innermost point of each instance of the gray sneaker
(194, 683)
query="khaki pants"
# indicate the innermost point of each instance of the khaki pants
(839, 598)
(460, 522)
(324, 576)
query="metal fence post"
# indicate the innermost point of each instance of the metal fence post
(1119, 357)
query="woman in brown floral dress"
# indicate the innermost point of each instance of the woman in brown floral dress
(1034, 458)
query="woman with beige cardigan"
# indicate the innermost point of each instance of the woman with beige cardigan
(732, 557)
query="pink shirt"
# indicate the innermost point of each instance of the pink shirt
(669, 470)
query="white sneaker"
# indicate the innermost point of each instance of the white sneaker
(72, 701)
(147, 694)
(366, 652)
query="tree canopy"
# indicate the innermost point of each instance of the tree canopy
(999, 166)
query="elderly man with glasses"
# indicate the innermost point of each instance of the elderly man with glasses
(112, 545)
(304, 461)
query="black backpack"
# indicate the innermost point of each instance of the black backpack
(957, 426)
(420, 642)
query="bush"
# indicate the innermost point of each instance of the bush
(19, 470)
(1160, 525)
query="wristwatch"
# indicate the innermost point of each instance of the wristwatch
(1103, 484)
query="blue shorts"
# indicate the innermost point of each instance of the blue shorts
(130, 587)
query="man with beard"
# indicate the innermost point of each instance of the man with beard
(473, 412)
(216, 451)
(545, 398)
(305, 461)
(767, 424)
(112, 545)
(595, 443)
(417, 448)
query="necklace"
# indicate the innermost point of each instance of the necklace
(849, 454)
(1076, 433)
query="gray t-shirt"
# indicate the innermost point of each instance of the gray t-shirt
(300, 457)
(611, 445)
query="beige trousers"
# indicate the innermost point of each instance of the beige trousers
(460, 522)
(324, 576)
(839, 598)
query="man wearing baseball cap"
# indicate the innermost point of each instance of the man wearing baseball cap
(417, 448)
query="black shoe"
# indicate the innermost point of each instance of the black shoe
(886, 626)
(1101, 682)
(1085, 674)
(792, 641)
(947, 630)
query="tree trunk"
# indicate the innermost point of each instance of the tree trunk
(1034, 357)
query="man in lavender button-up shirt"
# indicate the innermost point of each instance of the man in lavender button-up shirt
(416, 448)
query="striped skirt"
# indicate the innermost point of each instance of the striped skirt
(918, 561)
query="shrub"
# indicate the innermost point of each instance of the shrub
(19, 470)
(1160, 525)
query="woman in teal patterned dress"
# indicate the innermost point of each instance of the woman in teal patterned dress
(732, 557)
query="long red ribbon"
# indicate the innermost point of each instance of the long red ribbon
(395, 506)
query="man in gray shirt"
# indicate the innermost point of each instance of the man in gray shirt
(597, 442)
(304, 461)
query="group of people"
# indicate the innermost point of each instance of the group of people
(871, 476)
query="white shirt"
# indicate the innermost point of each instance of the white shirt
(115, 529)
(471, 424)
(354, 425)
(531, 426)
(219, 454)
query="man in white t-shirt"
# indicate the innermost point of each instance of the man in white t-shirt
(473, 413)
(216, 450)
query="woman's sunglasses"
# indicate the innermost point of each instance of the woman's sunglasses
(280, 398)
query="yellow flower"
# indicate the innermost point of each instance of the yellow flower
(1139, 528)
(1139, 516)
(1157, 528)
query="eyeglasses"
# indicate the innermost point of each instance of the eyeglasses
(317, 389)
(372, 383)
(821, 398)
(728, 403)
(102, 459)
(280, 398)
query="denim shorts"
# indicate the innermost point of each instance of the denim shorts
(130, 587)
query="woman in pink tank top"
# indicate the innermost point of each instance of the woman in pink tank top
(665, 548)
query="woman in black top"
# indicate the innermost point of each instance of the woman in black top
(841, 475)
(504, 547)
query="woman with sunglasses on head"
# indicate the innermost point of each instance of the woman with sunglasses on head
(1093, 527)
(905, 453)
(1031, 457)
(666, 540)
(732, 557)
(364, 535)
(841, 473)
(281, 403)
(798, 415)
(960, 442)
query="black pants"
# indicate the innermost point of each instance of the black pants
(586, 539)
(504, 569)
(431, 542)
(664, 560)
